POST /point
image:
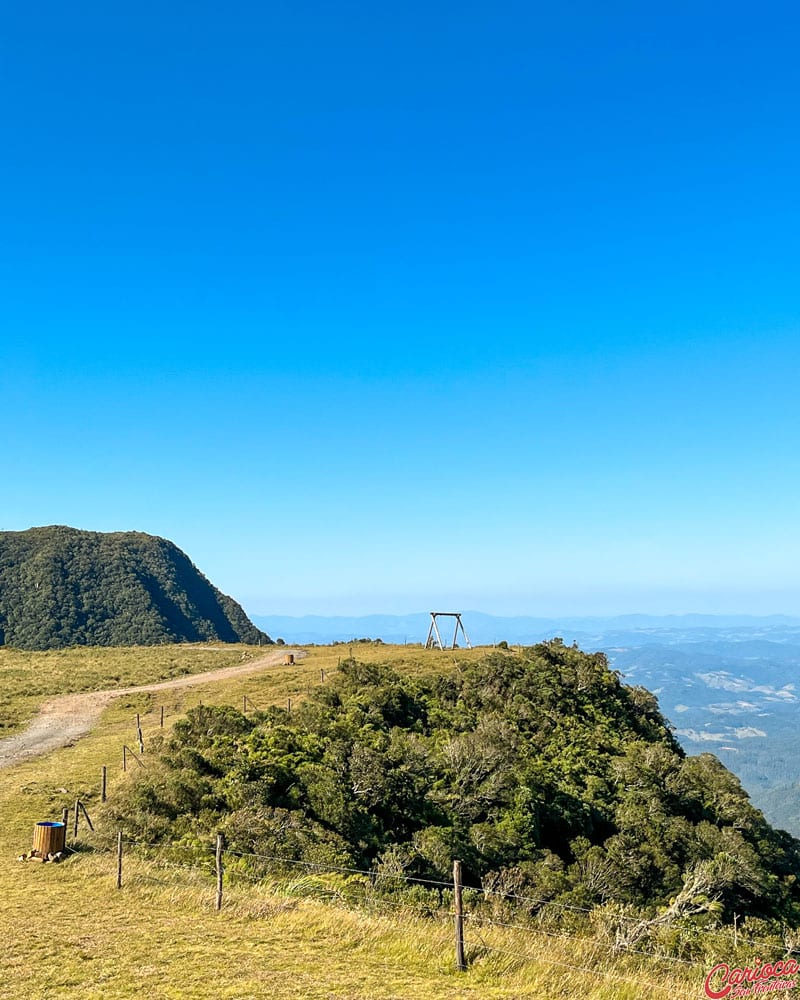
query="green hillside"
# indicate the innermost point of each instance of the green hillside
(284, 938)
(540, 771)
(63, 587)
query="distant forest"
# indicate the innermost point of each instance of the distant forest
(63, 587)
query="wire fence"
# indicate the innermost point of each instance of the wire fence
(498, 922)
(482, 933)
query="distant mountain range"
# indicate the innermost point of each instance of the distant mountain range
(729, 684)
(484, 629)
(63, 587)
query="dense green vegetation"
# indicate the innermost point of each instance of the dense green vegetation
(294, 934)
(542, 772)
(63, 587)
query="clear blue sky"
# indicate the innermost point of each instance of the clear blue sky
(371, 307)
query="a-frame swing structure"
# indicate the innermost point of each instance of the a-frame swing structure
(434, 640)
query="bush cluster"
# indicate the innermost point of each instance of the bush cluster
(542, 772)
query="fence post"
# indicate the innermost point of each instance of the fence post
(75, 826)
(103, 784)
(127, 752)
(162, 716)
(87, 817)
(458, 910)
(119, 859)
(219, 871)
(244, 704)
(289, 705)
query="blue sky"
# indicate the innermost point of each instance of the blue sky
(375, 307)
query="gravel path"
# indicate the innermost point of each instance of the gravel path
(66, 718)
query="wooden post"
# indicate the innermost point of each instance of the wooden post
(65, 816)
(119, 859)
(162, 716)
(127, 752)
(244, 704)
(458, 910)
(87, 817)
(77, 810)
(289, 705)
(103, 784)
(219, 871)
(322, 676)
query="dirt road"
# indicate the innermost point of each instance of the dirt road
(66, 718)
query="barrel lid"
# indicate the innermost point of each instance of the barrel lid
(50, 824)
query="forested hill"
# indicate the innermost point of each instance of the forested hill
(63, 587)
(539, 770)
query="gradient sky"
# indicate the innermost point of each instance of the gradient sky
(375, 307)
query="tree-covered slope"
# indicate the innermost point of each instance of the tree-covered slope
(63, 587)
(540, 771)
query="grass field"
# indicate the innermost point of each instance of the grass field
(28, 677)
(66, 929)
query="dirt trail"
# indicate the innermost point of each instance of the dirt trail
(67, 717)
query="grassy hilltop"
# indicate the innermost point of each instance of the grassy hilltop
(302, 933)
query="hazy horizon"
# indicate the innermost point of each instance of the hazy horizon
(758, 606)
(537, 616)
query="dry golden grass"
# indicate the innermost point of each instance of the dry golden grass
(27, 678)
(66, 930)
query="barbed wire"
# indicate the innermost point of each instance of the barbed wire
(170, 845)
(574, 968)
(477, 919)
(370, 873)
(368, 900)
(374, 874)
